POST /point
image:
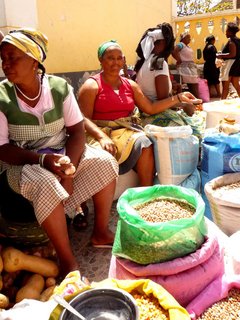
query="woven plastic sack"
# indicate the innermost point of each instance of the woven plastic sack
(185, 277)
(144, 242)
(176, 152)
(214, 292)
(234, 252)
(192, 182)
(220, 155)
(148, 287)
(225, 205)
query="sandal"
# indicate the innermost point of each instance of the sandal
(80, 220)
(68, 220)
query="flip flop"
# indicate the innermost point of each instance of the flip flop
(103, 246)
(80, 221)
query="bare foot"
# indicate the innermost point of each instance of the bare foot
(100, 238)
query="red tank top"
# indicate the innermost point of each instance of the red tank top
(110, 105)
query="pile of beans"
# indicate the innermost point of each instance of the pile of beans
(164, 209)
(149, 307)
(226, 309)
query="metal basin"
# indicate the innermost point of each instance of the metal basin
(103, 304)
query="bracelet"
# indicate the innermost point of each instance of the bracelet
(41, 159)
(179, 98)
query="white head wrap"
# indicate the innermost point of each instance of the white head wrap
(147, 43)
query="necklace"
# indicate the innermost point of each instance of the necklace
(26, 97)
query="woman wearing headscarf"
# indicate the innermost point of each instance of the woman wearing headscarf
(109, 100)
(152, 69)
(230, 70)
(210, 70)
(154, 79)
(40, 121)
(184, 56)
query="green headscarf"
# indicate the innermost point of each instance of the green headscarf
(32, 42)
(103, 47)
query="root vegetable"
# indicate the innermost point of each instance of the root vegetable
(14, 260)
(4, 301)
(50, 282)
(70, 170)
(47, 293)
(66, 160)
(32, 289)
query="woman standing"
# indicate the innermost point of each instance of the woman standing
(230, 71)
(184, 56)
(210, 70)
(40, 121)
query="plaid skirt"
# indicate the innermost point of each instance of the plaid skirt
(43, 189)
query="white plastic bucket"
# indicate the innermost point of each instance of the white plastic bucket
(218, 110)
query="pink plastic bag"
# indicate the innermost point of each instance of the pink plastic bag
(184, 278)
(203, 90)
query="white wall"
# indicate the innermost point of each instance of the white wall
(15, 13)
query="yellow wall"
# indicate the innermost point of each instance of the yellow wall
(76, 28)
(198, 40)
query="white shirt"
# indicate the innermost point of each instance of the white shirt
(146, 78)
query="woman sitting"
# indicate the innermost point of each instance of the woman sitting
(154, 78)
(109, 100)
(40, 121)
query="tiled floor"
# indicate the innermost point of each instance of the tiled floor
(94, 262)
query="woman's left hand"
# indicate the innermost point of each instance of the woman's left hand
(189, 98)
(189, 102)
(108, 145)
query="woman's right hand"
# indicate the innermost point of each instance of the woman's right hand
(108, 145)
(188, 108)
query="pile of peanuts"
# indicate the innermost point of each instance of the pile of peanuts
(233, 189)
(149, 308)
(164, 209)
(226, 309)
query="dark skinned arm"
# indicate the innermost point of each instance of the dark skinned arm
(231, 54)
(104, 140)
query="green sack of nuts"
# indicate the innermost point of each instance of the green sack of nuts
(159, 223)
